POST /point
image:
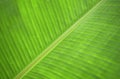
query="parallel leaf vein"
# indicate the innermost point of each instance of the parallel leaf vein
(55, 43)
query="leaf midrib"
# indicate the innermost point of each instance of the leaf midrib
(55, 43)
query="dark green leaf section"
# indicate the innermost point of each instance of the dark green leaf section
(92, 51)
(27, 27)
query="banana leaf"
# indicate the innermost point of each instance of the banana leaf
(59, 39)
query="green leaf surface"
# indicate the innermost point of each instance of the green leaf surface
(59, 39)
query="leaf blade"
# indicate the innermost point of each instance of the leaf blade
(52, 46)
(90, 52)
(28, 27)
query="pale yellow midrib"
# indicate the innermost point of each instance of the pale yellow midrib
(54, 44)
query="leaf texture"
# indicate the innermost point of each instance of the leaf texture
(89, 52)
(28, 27)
